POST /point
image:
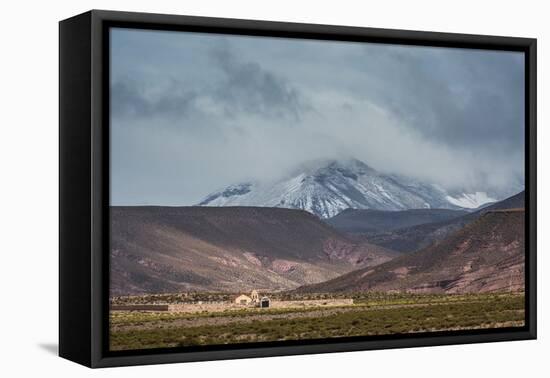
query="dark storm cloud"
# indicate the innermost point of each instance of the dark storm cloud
(482, 104)
(128, 99)
(192, 113)
(247, 87)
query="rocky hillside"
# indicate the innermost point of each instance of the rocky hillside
(410, 239)
(487, 255)
(171, 249)
(375, 221)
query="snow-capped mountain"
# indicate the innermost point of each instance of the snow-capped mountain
(326, 188)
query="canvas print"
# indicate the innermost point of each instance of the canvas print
(287, 190)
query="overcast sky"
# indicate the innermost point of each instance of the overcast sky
(192, 113)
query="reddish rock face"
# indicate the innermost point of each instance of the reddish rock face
(414, 238)
(175, 249)
(487, 255)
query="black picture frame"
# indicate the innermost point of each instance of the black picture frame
(84, 185)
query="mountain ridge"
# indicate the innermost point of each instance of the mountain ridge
(413, 238)
(486, 255)
(156, 249)
(372, 221)
(326, 188)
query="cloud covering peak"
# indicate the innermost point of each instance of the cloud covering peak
(193, 112)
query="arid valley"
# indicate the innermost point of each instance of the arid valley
(192, 276)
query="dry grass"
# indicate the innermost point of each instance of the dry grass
(375, 314)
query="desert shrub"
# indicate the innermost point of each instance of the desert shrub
(436, 313)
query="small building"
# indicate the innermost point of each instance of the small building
(264, 302)
(243, 300)
(255, 296)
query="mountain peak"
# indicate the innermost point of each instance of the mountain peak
(326, 187)
(348, 164)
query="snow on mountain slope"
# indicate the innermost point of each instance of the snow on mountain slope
(326, 188)
(471, 200)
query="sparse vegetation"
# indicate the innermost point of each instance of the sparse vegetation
(372, 314)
